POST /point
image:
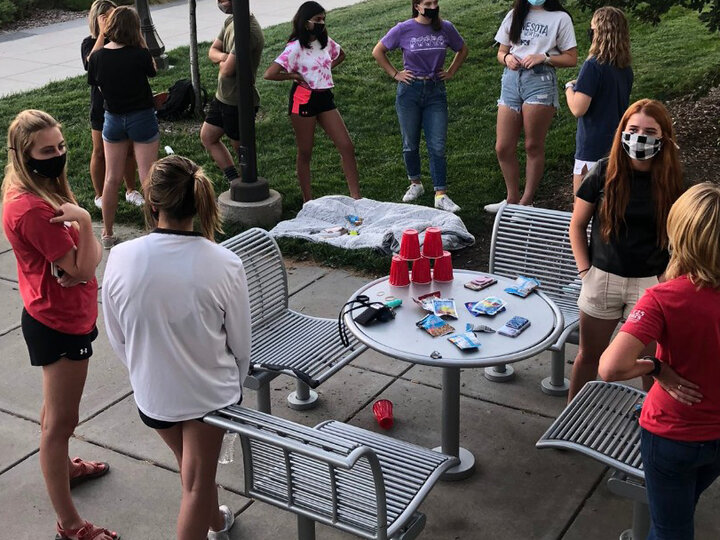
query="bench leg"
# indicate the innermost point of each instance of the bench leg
(306, 528)
(556, 384)
(501, 373)
(263, 398)
(640, 524)
(302, 398)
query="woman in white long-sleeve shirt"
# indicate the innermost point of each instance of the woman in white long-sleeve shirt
(177, 314)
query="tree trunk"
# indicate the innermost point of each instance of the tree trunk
(194, 66)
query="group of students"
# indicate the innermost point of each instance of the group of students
(653, 258)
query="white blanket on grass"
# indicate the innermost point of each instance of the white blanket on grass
(382, 227)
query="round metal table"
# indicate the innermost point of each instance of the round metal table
(401, 339)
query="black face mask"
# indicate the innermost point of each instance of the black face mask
(432, 14)
(49, 168)
(225, 9)
(317, 29)
(590, 34)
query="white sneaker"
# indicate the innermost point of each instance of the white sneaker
(443, 202)
(98, 202)
(134, 197)
(495, 207)
(413, 192)
(229, 522)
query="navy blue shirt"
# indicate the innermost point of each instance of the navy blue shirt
(609, 88)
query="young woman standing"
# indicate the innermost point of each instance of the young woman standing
(182, 366)
(680, 419)
(57, 254)
(121, 69)
(536, 37)
(308, 61)
(421, 99)
(628, 196)
(601, 93)
(97, 18)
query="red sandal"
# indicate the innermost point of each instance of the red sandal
(86, 532)
(87, 470)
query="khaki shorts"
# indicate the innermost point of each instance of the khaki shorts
(608, 296)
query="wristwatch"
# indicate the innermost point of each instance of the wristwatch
(547, 59)
(657, 365)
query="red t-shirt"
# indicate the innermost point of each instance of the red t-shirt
(37, 242)
(685, 321)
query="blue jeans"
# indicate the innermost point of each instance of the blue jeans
(676, 473)
(423, 104)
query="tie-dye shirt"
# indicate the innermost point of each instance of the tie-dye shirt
(313, 63)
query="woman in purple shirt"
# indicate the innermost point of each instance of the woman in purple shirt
(421, 100)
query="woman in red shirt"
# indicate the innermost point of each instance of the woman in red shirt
(56, 254)
(680, 420)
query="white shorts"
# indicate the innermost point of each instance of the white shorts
(580, 164)
(609, 296)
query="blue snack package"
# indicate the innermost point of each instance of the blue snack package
(434, 325)
(444, 307)
(465, 341)
(514, 327)
(490, 306)
(523, 286)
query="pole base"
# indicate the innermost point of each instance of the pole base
(494, 375)
(552, 390)
(249, 191)
(265, 213)
(302, 404)
(462, 470)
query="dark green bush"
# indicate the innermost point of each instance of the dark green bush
(12, 10)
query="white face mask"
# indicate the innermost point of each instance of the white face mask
(640, 147)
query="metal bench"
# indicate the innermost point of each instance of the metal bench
(534, 242)
(283, 340)
(349, 478)
(601, 422)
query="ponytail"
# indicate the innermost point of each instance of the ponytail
(206, 207)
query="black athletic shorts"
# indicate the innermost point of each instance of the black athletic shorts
(306, 102)
(47, 346)
(162, 424)
(225, 117)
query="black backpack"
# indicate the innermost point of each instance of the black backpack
(180, 101)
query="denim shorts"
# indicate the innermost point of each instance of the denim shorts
(608, 296)
(138, 126)
(535, 86)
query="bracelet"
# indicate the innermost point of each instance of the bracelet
(505, 57)
(547, 59)
(569, 84)
(585, 270)
(657, 365)
(395, 74)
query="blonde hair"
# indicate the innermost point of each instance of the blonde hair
(694, 236)
(99, 7)
(123, 26)
(179, 188)
(22, 133)
(611, 38)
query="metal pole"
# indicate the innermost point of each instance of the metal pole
(154, 43)
(194, 66)
(450, 439)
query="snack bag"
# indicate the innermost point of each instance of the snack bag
(492, 305)
(514, 327)
(444, 307)
(426, 301)
(523, 286)
(434, 325)
(465, 341)
(477, 327)
(480, 283)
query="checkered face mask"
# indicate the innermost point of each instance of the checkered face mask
(640, 147)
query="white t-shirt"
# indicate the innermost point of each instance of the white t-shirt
(543, 32)
(177, 315)
(313, 63)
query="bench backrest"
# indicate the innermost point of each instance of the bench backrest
(534, 242)
(309, 472)
(265, 271)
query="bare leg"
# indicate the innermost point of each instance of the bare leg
(115, 158)
(210, 136)
(97, 163)
(304, 139)
(145, 154)
(333, 124)
(536, 123)
(595, 336)
(130, 167)
(509, 124)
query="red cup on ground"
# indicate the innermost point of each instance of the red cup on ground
(410, 245)
(421, 271)
(432, 246)
(383, 411)
(443, 270)
(399, 275)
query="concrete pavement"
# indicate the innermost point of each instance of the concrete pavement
(31, 58)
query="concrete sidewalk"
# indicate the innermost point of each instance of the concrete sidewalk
(518, 492)
(32, 58)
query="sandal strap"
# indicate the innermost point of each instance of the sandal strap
(87, 532)
(86, 467)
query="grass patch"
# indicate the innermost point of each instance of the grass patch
(365, 97)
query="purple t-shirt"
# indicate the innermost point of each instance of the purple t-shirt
(423, 48)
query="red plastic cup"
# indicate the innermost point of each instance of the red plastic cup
(410, 245)
(421, 271)
(432, 246)
(383, 411)
(399, 275)
(443, 270)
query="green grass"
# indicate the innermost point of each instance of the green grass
(365, 97)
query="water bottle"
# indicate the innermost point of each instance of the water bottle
(227, 450)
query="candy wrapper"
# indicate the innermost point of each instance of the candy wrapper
(426, 301)
(434, 325)
(523, 286)
(477, 327)
(480, 283)
(444, 307)
(491, 305)
(465, 341)
(514, 327)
